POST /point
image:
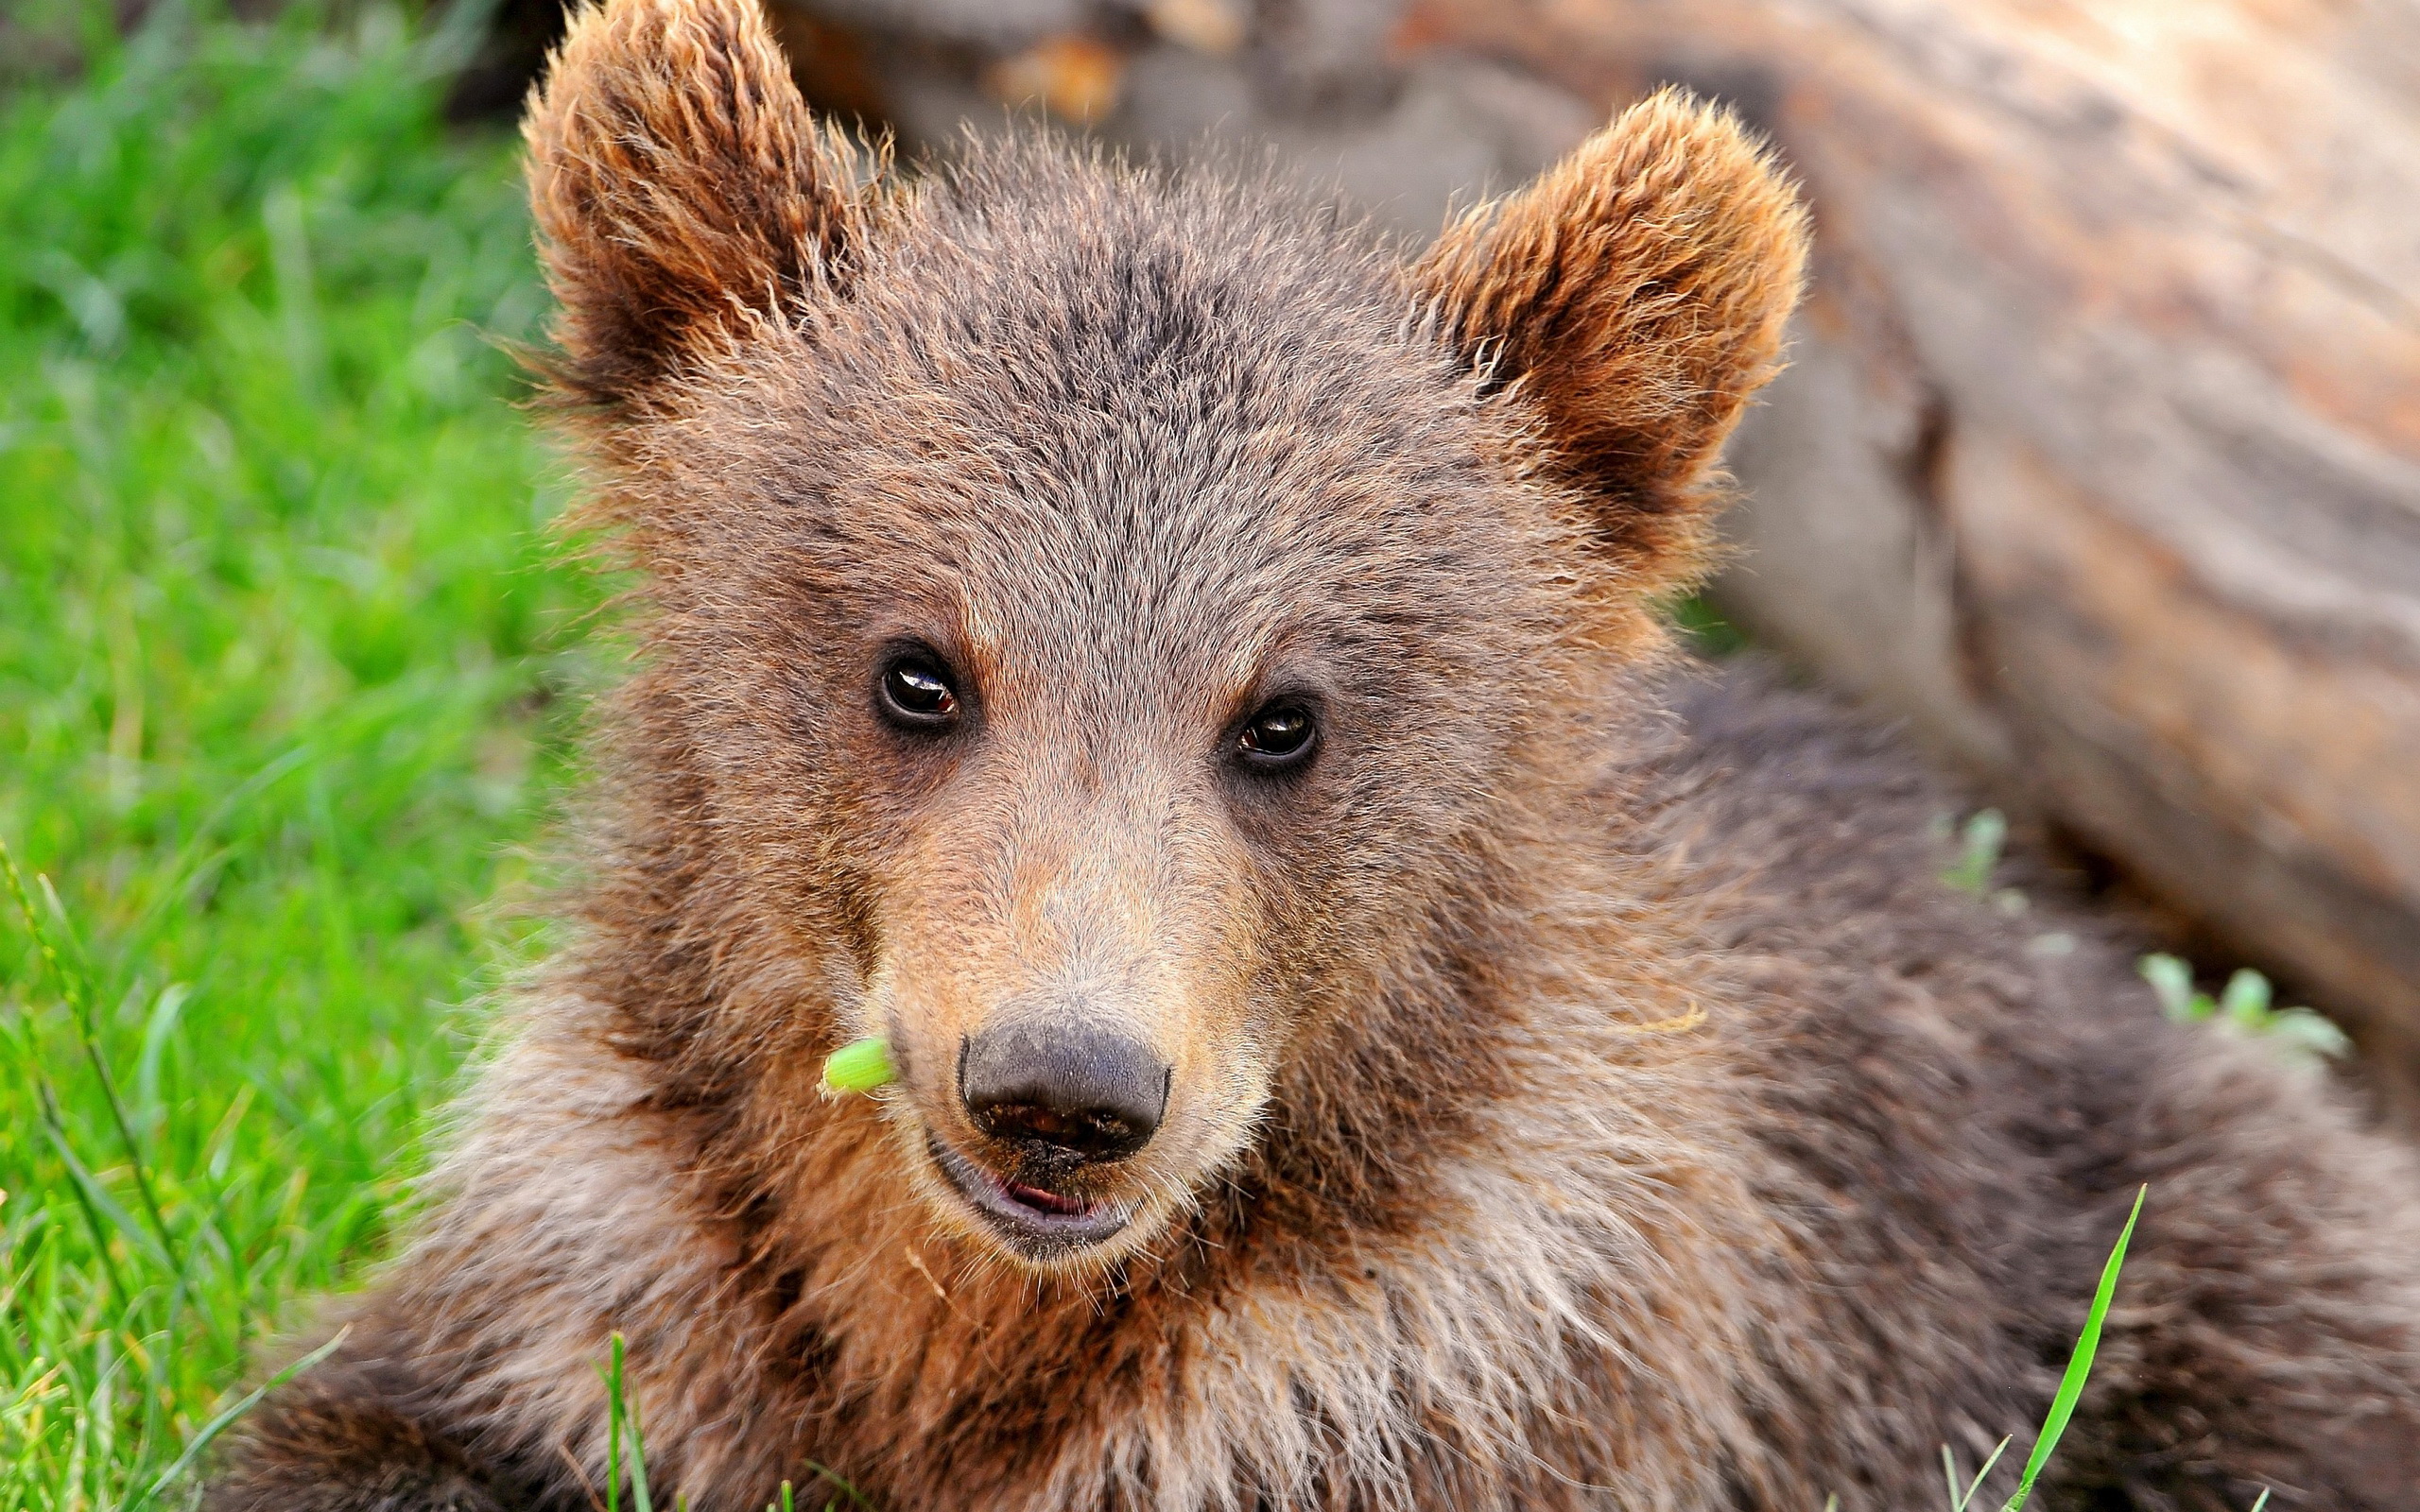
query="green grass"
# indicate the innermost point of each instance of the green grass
(280, 651)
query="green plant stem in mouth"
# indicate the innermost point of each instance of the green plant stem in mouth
(860, 1066)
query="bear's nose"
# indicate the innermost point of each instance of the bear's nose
(1093, 1093)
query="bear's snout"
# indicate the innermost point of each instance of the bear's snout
(1073, 1090)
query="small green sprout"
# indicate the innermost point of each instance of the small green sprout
(2242, 1006)
(1980, 841)
(860, 1066)
(2171, 982)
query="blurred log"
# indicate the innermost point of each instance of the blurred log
(2102, 457)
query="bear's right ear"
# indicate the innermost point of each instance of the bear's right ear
(679, 183)
(1632, 300)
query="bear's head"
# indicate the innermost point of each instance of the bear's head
(1101, 621)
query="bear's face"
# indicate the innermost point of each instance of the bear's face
(1134, 623)
(1103, 617)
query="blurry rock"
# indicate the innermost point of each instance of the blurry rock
(1217, 28)
(1000, 26)
(1458, 128)
(1074, 76)
(1326, 57)
(493, 84)
(833, 65)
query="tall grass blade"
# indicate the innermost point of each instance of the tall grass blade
(613, 1374)
(74, 991)
(2062, 1406)
(620, 1416)
(84, 1188)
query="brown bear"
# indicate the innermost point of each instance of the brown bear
(1373, 1027)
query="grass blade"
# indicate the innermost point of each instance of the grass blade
(102, 1203)
(2062, 1406)
(618, 1416)
(835, 1478)
(226, 1419)
(1959, 1501)
(613, 1374)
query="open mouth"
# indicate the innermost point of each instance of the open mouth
(1037, 1223)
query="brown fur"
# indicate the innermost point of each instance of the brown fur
(1568, 1107)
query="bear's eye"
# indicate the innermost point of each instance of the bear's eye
(1280, 734)
(917, 693)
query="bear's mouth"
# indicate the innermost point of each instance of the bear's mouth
(1037, 1223)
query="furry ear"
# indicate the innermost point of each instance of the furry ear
(678, 182)
(1633, 298)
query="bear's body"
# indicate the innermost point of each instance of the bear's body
(1189, 682)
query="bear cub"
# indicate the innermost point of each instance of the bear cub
(1373, 1027)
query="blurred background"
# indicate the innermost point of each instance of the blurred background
(2098, 466)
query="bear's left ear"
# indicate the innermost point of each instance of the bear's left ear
(1632, 299)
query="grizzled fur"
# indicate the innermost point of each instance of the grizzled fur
(1567, 1104)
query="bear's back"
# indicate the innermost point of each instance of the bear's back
(1960, 1097)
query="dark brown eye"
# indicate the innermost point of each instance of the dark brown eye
(1279, 735)
(917, 694)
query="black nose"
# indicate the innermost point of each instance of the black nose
(1088, 1091)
